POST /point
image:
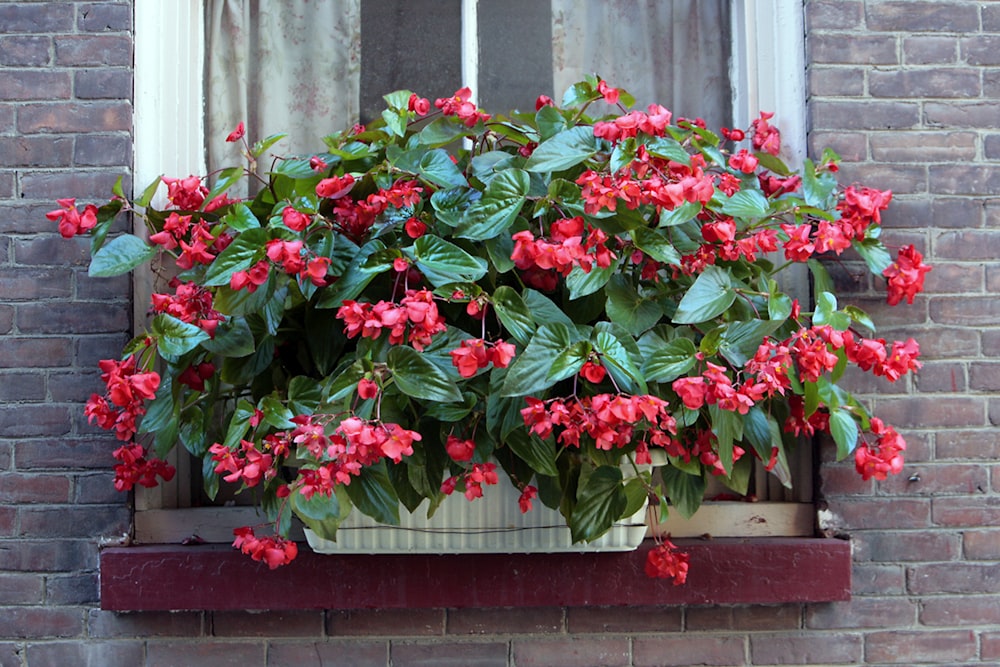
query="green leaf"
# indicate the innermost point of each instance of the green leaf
(304, 395)
(619, 362)
(626, 307)
(147, 195)
(665, 361)
(728, 429)
(581, 283)
(600, 502)
(321, 514)
(875, 255)
(175, 338)
(764, 434)
(860, 316)
(120, 255)
(844, 430)
(685, 491)
(711, 295)
(441, 132)
(529, 373)
(669, 148)
(276, 413)
(826, 313)
(395, 121)
(537, 453)
(419, 378)
(543, 310)
(443, 262)
(745, 204)
(239, 255)
(564, 150)
(739, 340)
(568, 362)
(656, 244)
(373, 494)
(678, 216)
(241, 218)
(232, 339)
(498, 208)
(355, 277)
(436, 166)
(549, 121)
(513, 313)
(822, 282)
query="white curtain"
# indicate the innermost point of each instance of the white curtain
(673, 52)
(280, 66)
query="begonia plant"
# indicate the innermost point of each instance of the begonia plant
(446, 297)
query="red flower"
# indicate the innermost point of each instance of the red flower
(528, 494)
(610, 94)
(460, 450)
(367, 388)
(905, 276)
(593, 372)
(664, 561)
(72, 222)
(237, 134)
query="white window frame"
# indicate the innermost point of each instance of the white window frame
(768, 71)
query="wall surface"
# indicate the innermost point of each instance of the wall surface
(907, 92)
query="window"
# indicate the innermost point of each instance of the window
(463, 42)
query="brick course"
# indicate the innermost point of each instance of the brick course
(906, 92)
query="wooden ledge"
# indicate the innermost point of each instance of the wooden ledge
(723, 571)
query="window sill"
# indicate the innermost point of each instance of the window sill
(723, 571)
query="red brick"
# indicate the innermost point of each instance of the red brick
(851, 146)
(922, 16)
(963, 611)
(942, 377)
(504, 621)
(571, 652)
(991, 645)
(109, 625)
(981, 49)
(932, 412)
(806, 649)
(836, 82)
(102, 150)
(580, 620)
(47, 555)
(21, 85)
(444, 654)
(906, 546)
(755, 618)
(865, 115)
(38, 17)
(923, 146)
(16, 488)
(83, 521)
(887, 513)
(981, 544)
(900, 178)
(929, 50)
(36, 151)
(386, 622)
(95, 489)
(835, 14)
(935, 479)
(967, 245)
(10, 654)
(854, 49)
(72, 589)
(920, 647)
(957, 115)
(93, 50)
(931, 578)
(267, 624)
(862, 612)
(26, 284)
(105, 17)
(74, 117)
(25, 50)
(32, 421)
(51, 317)
(328, 654)
(26, 352)
(51, 185)
(76, 653)
(973, 512)
(38, 622)
(682, 651)
(103, 84)
(17, 387)
(65, 453)
(21, 588)
(948, 342)
(954, 82)
(216, 654)
(970, 445)
(8, 517)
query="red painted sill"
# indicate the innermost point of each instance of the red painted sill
(723, 571)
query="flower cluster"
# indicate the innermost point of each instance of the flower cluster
(445, 297)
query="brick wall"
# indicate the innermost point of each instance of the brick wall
(906, 91)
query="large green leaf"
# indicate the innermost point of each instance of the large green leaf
(844, 430)
(419, 378)
(232, 339)
(239, 255)
(619, 362)
(320, 513)
(599, 503)
(443, 262)
(582, 283)
(174, 337)
(498, 208)
(684, 491)
(711, 295)
(537, 453)
(120, 255)
(529, 373)
(355, 278)
(564, 150)
(745, 204)
(372, 493)
(739, 340)
(436, 166)
(663, 360)
(727, 426)
(656, 244)
(629, 309)
(764, 434)
(513, 313)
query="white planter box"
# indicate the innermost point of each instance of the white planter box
(491, 524)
